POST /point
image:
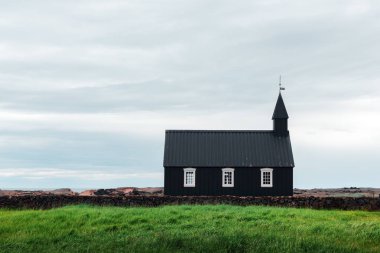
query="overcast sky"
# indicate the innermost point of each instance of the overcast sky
(87, 88)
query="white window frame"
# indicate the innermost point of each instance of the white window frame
(185, 170)
(232, 177)
(271, 177)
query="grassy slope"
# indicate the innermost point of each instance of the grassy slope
(188, 228)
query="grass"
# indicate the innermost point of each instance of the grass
(219, 228)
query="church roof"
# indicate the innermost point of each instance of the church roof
(227, 148)
(280, 110)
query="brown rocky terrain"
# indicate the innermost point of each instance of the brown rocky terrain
(61, 192)
(338, 192)
(340, 198)
(124, 191)
(158, 191)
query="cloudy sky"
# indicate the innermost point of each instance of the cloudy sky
(87, 88)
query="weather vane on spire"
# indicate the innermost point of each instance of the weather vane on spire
(279, 84)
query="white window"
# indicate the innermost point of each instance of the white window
(228, 177)
(266, 177)
(189, 177)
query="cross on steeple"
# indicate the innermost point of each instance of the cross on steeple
(279, 84)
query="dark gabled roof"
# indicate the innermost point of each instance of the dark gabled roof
(219, 148)
(280, 110)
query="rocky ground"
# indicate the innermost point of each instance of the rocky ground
(122, 191)
(149, 191)
(338, 192)
(64, 192)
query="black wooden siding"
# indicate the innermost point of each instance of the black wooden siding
(247, 182)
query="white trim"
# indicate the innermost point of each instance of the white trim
(270, 177)
(185, 170)
(232, 177)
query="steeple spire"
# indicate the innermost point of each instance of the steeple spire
(280, 109)
(280, 116)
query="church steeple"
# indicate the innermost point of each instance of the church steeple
(280, 118)
(280, 110)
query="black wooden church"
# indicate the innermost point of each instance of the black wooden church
(225, 162)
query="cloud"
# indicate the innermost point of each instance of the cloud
(98, 175)
(91, 83)
(53, 178)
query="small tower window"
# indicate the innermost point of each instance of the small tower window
(266, 177)
(228, 177)
(189, 177)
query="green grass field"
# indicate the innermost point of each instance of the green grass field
(220, 228)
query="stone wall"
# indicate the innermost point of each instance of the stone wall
(51, 201)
